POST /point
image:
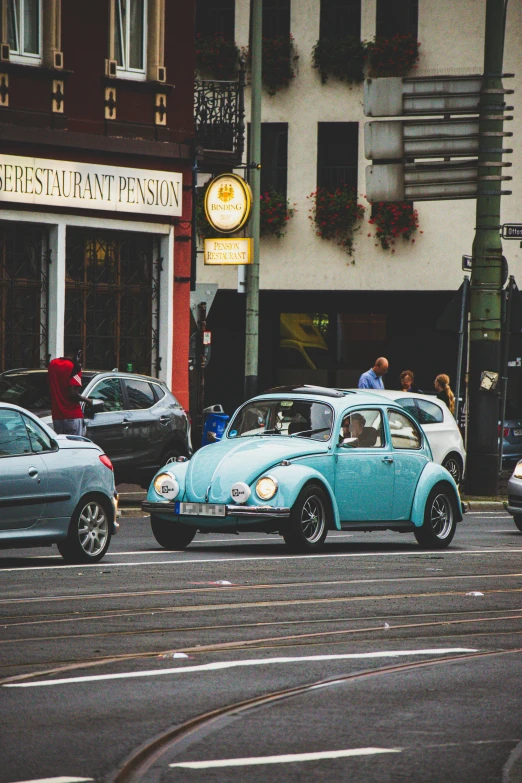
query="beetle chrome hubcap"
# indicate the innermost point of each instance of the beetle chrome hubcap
(313, 519)
(441, 516)
(93, 529)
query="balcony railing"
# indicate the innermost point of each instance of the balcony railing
(219, 116)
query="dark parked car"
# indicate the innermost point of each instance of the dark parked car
(512, 437)
(141, 427)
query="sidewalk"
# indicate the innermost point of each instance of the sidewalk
(477, 504)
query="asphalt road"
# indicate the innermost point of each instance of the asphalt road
(374, 661)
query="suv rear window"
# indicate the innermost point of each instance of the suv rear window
(29, 390)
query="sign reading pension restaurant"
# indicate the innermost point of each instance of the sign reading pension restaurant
(227, 251)
(62, 183)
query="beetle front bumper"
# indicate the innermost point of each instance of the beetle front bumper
(239, 512)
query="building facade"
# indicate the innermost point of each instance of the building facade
(325, 314)
(96, 134)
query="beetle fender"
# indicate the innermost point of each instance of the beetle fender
(431, 475)
(292, 479)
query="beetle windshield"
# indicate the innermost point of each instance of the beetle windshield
(301, 418)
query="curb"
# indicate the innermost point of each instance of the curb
(127, 511)
(485, 505)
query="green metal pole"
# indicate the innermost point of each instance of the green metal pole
(486, 275)
(252, 296)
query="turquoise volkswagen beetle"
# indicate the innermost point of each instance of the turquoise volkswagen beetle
(300, 461)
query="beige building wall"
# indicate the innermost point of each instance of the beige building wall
(451, 33)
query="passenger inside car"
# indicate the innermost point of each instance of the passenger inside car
(356, 433)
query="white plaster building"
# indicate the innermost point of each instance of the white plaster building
(375, 301)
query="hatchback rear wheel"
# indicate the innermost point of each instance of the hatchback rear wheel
(89, 533)
(454, 466)
(308, 524)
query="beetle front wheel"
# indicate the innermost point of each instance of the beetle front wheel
(308, 523)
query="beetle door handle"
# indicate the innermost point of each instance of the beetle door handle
(387, 459)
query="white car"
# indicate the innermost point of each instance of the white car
(439, 425)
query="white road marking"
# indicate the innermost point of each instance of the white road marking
(62, 779)
(218, 665)
(273, 558)
(287, 759)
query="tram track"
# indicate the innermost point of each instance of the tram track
(143, 759)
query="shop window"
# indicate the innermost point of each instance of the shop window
(24, 263)
(337, 155)
(24, 31)
(397, 17)
(304, 355)
(111, 299)
(215, 17)
(274, 157)
(276, 18)
(340, 18)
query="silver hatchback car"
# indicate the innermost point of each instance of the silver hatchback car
(54, 489)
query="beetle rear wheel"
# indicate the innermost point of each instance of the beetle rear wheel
(439, 524)
(171, 535)
(308, 524)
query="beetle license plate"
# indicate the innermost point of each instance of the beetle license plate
(201, 509)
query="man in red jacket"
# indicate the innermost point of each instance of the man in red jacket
(65, 383)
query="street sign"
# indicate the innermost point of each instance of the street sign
(399, 97)
(467, 263)
(512, 231)
(451, 143)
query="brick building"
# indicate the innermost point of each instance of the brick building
(96, 129)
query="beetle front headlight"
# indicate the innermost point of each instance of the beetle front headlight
(166, 486)
(266, 487)
(518, 470)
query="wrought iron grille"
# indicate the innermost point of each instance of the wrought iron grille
(111, 286)
(24, 295)
(219, 116)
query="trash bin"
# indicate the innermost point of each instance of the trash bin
(214, 424)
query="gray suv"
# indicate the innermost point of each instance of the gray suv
(140, 426)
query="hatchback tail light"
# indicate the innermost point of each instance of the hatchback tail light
(505, 431)
(106, 461)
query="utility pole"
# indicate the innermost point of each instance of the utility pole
(486, 274)
(252, 294)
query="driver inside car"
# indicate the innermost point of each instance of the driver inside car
(354, 426)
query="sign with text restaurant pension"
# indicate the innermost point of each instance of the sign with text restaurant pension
(62, 183)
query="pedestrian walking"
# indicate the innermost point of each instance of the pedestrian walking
(372, 379)
(65, 383)
(444, 393)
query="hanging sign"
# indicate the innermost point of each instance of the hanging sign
(223, 251)
(228, 202)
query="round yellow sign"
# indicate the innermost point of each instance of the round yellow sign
(228, 201)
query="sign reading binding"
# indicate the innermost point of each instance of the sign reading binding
(68, 184)
(228, 202)
(236, 250)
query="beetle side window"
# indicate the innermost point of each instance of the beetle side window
(362, 429)
(108, 390)
(404, 433)
(14, 439)
(40, 440)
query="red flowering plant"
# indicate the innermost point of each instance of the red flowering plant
(393, 220)
(335, 215)
(279, 59)
(392, 56)
(217, 56)
(275, 213)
